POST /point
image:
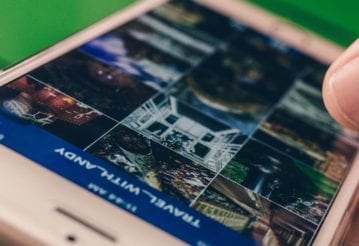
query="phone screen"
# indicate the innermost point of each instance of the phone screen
(196, 123)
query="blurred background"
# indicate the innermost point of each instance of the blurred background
(30, 26)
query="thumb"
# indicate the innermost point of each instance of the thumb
(341, 88)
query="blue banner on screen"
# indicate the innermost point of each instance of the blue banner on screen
(116, 187)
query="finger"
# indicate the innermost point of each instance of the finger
(341, 89)
(350, 53)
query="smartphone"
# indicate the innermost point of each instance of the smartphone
(180, 122)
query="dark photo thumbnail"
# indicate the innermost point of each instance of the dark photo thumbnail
(169, 40)
(251, 215)
(284, 180)
(30, 101)
(153, 164)
(196, 20)
(271, 50)
(334, 154)
(186, 131)
(305, 102)
(248, 73)
(238, 85)
(96, 84)
(233, 85)
(136, 59)
(334, 169)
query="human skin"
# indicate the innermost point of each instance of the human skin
(341, 97)
(341, 88)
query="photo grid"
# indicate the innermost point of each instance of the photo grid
(203, 109)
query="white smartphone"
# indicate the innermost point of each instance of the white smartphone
(181, 122)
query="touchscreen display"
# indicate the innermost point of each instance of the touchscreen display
(194, 122)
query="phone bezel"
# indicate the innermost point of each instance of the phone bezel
(255, 17)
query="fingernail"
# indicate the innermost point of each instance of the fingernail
(344, 86)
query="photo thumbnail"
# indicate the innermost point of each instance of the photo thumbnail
(270, 49)
(256, 66)
(167, 39)
(183, 129)
(27, 100)
(314, 79)
(283, 180)
(305, 103)
(196, 20)
(153, 164)
(333, 153)
(249, 214)
(236, 85)
(96, 84)
(136, 59)
(334, 170)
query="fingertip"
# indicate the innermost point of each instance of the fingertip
(350, 53)
(333, 109)
(340, 90)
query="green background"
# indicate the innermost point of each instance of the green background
(28, 26)
(337, 20)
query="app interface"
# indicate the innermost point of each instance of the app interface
(194, 122)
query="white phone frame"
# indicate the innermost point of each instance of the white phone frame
(25, 182)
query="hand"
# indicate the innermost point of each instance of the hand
(341, 88)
